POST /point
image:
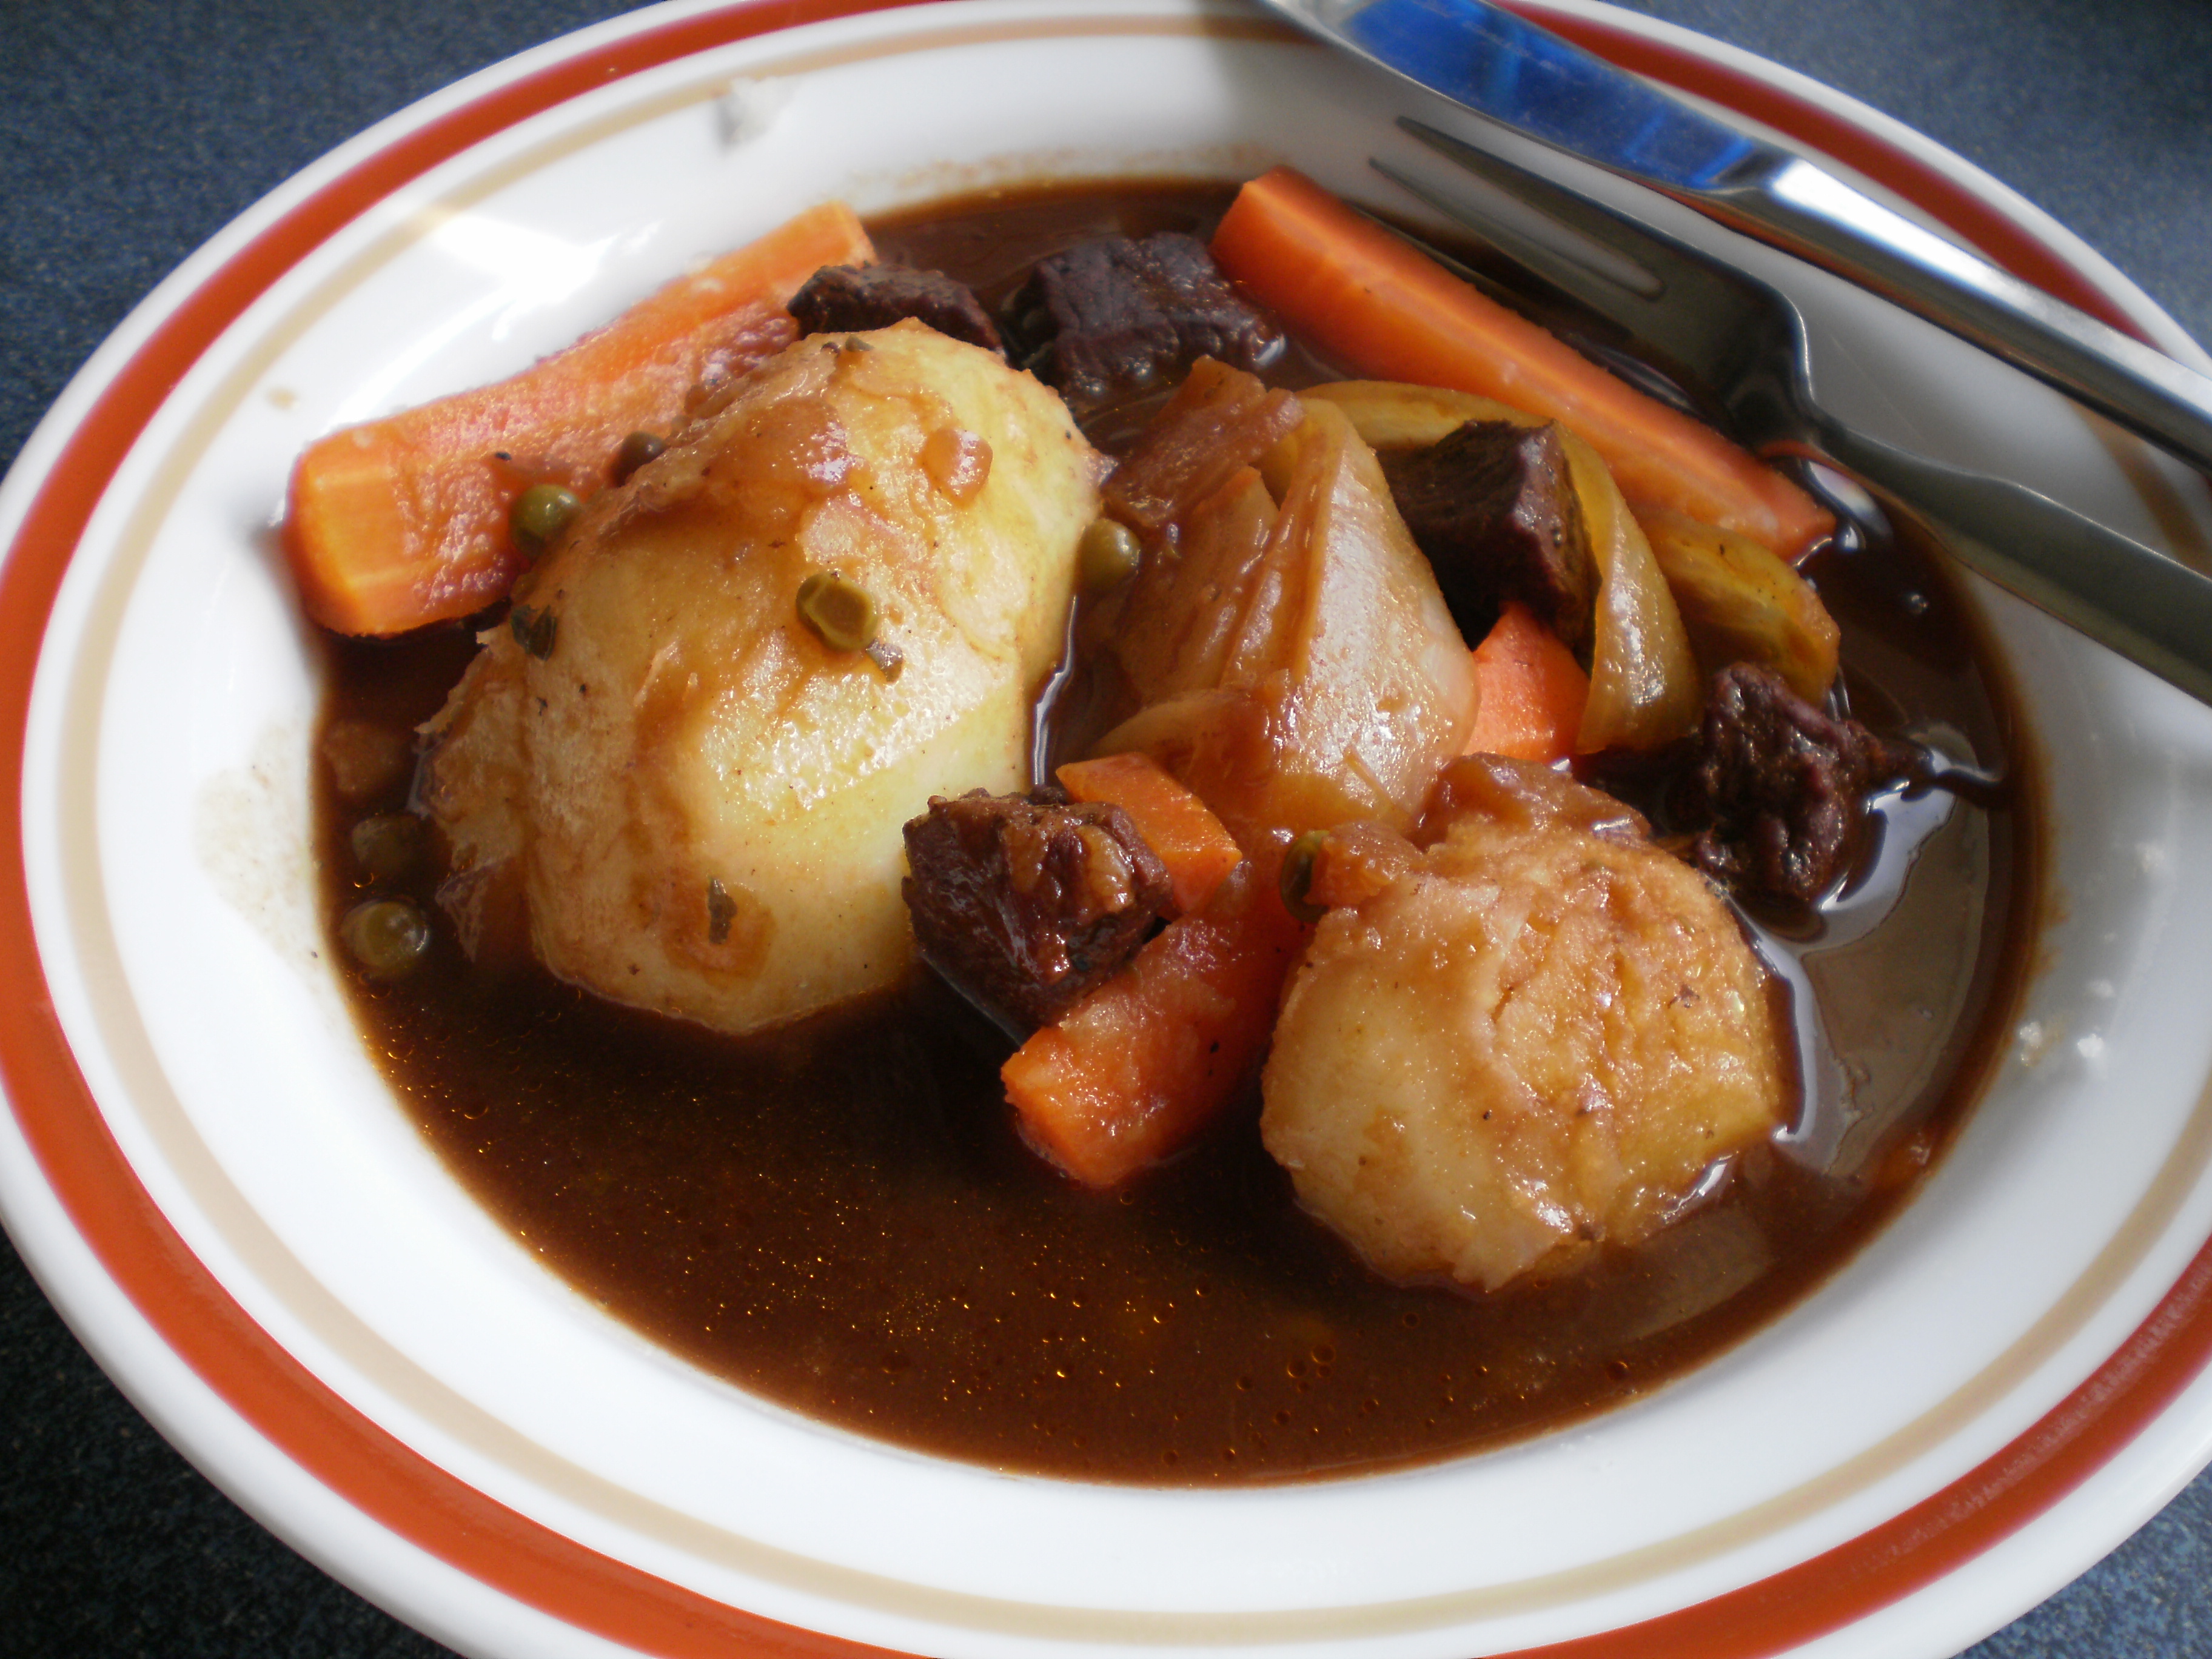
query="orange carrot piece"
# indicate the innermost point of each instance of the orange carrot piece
(402, 521)
(1194, 845)
(1148, 1058)
(1373, 301)
(1529, 691)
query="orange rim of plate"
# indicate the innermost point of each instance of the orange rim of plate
(422, 1503)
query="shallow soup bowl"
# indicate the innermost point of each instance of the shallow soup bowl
(207, 1169)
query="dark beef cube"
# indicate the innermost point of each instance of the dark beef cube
(1116, 315)
(848, 299)
(1784, 785)
(1024, 902)
(1493, 506)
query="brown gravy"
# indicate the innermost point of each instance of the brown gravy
(840, 1217)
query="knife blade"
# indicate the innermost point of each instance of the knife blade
(1509, 70)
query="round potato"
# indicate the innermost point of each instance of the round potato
(1539, 1036)
(675, 776)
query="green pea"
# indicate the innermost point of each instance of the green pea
(840, 612)
(1107, 556)
(636, 450)
(540, 514)
(389, 938)
(388, 846)
(1298, 873)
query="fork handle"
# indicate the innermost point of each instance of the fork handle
(2150, 609)
(1808, 211)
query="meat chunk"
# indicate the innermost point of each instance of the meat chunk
(1537, 1036)
(1119, 315)
(1784, 786)
(1024, 902)
(1493, 506)
(839, 299)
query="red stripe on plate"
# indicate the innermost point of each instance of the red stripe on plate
(421, 1503)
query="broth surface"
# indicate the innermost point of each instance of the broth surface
(840, 1218)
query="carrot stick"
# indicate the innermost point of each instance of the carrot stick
(402, 521)
(1147, 1059)
(1197, 849)
(1530, 691)
(1366, 297)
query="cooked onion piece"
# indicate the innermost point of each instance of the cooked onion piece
(1745, 603)
(1644, 686)
(1537, 1036)
(681, 786)
(1291, 657)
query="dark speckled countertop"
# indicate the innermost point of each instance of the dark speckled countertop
(130, 130)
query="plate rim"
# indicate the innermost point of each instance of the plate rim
(99, 416)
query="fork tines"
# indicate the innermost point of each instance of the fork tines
(1633, 261)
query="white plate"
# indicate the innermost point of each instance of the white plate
(207, 1173)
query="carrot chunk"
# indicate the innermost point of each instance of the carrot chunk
(1530, 691)
(1372, 301)
(1197, 848)
(402, 521)
(1148, 1058)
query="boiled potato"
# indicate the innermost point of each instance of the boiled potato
(1538, 1036)
(674, 791)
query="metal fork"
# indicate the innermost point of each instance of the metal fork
(1744, 343)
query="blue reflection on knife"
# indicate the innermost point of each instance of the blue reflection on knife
(1515, 72)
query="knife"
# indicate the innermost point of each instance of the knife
(1524, 78)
